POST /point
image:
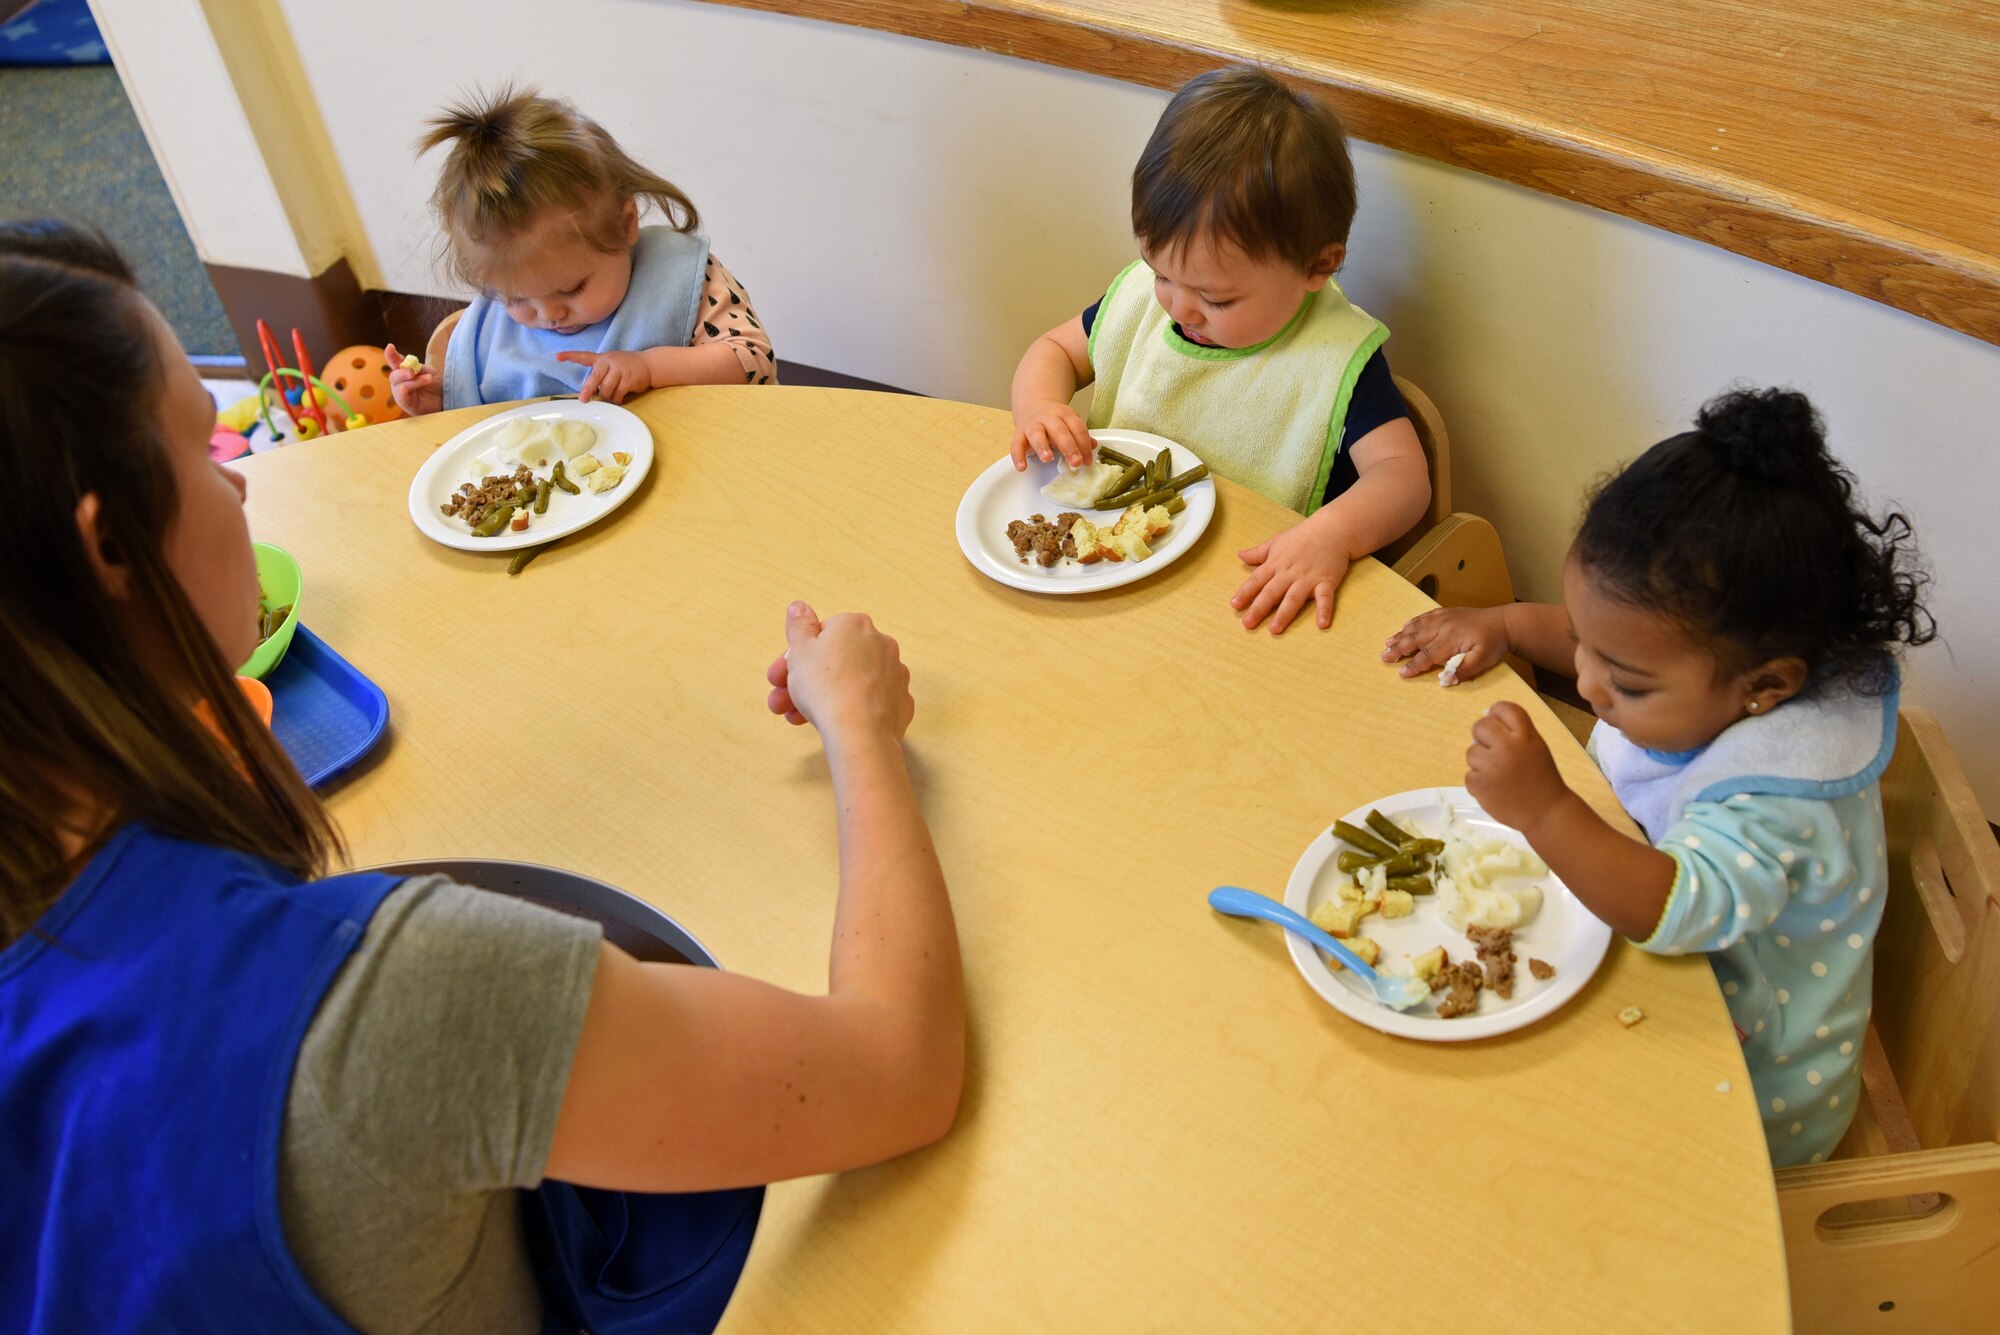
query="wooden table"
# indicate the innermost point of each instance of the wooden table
(1856, 144)
(1163, 1128)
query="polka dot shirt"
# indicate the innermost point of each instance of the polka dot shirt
(1784, 895)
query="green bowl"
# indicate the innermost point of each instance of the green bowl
(278, 575)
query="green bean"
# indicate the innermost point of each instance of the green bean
(1166, 463)
(1111, 456)
(496, 519)
(561, 479)
(1189, 478)
(541, 498)
(1415, 885)
(1362, 840)
(1351, 862)
(1125, 479)
(1176, 505)
(1153, 498)
(525, 555)
(1119, 500)
(1428, 848)
(1388, 829)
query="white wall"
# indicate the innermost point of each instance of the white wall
(200, 132)
(915, 213)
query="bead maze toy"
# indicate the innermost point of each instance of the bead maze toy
(306, 404)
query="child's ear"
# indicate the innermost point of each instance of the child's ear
(99, 550)
(1769, 685)
(628, 219)
(1325, 265)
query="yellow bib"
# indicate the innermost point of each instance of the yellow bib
(1268, 417)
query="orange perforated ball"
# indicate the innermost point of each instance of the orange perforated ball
(361, 376)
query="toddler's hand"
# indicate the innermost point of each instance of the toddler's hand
(1509, 770)
(1299, 566)
(840, 676)
(616, 376)
(1480, 633)
(416, 392)
(1051, 427)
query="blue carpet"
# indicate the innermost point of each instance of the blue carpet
(53, 32)
(70, 147)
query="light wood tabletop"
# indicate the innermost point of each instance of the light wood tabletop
(1854, 144)
(1163, 1127)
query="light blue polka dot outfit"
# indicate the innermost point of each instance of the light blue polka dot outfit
(1775, 829)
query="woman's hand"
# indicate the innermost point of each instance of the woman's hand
(1480, 633)
(843, 677)
(416, 392)
(1047, 429)
(1509, 770)
(1304, 564)
(615, 376)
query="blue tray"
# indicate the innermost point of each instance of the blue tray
(325, 714)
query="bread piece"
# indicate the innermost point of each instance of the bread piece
(1341, 919)
(1397, 903)
(1093, 544)
(1369, 951)
(1427, 965)
(1128, 535)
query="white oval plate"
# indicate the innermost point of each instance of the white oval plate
(1000, 495)
(451, 464)
(1563, 934)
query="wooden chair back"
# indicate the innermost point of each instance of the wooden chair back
(440, 340)
(1429, 424)
(1937, 957)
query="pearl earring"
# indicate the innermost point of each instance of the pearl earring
(1753, 706)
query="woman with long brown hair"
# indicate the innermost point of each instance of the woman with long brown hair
(239, 1094)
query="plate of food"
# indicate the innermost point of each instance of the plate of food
(530, 475)
(1132, 511)
(1425, 883)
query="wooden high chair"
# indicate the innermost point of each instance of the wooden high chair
(1455, 558)
(440, 339)
(1900, 1230)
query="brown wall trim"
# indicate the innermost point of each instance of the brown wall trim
(333, 311)
(1573, 113)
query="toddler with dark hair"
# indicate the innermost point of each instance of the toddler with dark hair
(1230, 336)
(1732, 615)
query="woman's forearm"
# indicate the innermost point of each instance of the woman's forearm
(894, 943)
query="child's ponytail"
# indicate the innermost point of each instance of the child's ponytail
(512, 154)
(1747, 532)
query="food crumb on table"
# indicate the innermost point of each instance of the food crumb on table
(1630, 1016)
(1722, 1086)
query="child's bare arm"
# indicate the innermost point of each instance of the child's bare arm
(1306, 563)
(618, 376)
(1539, 632)
(1510, 772)
(1052, 370)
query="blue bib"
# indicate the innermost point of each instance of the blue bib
(494, 359)
(148, 1028)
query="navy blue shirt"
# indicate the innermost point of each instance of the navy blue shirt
(1375, 402)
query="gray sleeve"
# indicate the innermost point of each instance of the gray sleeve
(440, 1054)
(428, 1084)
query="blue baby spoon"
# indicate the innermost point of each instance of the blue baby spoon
(1392, 990)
